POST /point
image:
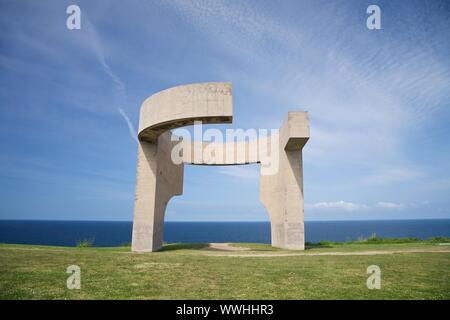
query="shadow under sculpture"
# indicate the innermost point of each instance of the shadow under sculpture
(159, 178)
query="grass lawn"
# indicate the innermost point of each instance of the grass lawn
(183, 271)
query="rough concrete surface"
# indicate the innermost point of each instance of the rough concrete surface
(158, 178)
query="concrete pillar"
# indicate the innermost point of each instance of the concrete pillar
(158, 179)
(282, 192)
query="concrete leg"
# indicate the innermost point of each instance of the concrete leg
(157, 181)
(282, 193)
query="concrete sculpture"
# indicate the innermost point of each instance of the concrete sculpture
(159, 178)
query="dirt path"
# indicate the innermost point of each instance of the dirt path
(231, 251)
(224, 247)
(354, 253)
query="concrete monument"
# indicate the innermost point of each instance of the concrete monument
(159, 178)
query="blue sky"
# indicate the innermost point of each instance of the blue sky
(379, 103)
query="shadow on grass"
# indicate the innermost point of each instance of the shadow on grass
(317, 246)
(184, 246)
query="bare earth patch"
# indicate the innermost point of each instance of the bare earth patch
(224, 247)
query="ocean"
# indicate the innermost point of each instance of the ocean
(113, 233)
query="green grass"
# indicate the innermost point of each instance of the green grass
(374, 239)
(188, 271)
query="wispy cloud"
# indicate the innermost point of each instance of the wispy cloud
(391, 175)
(342, 205)
(133, 132)
(240, 172)
(120, 86)
(351, 206)
(390, 205)
(351, 94)
(373, 97)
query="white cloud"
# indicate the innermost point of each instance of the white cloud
(97, 47)
(241, 172)
(133, 132)
(390, 205)
(351, 206)
(342, 205)
(363, 101)
(391, 175)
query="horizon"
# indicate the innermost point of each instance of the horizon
(225, 221)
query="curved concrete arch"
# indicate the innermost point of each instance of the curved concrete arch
(159, 178)
(182, 105)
